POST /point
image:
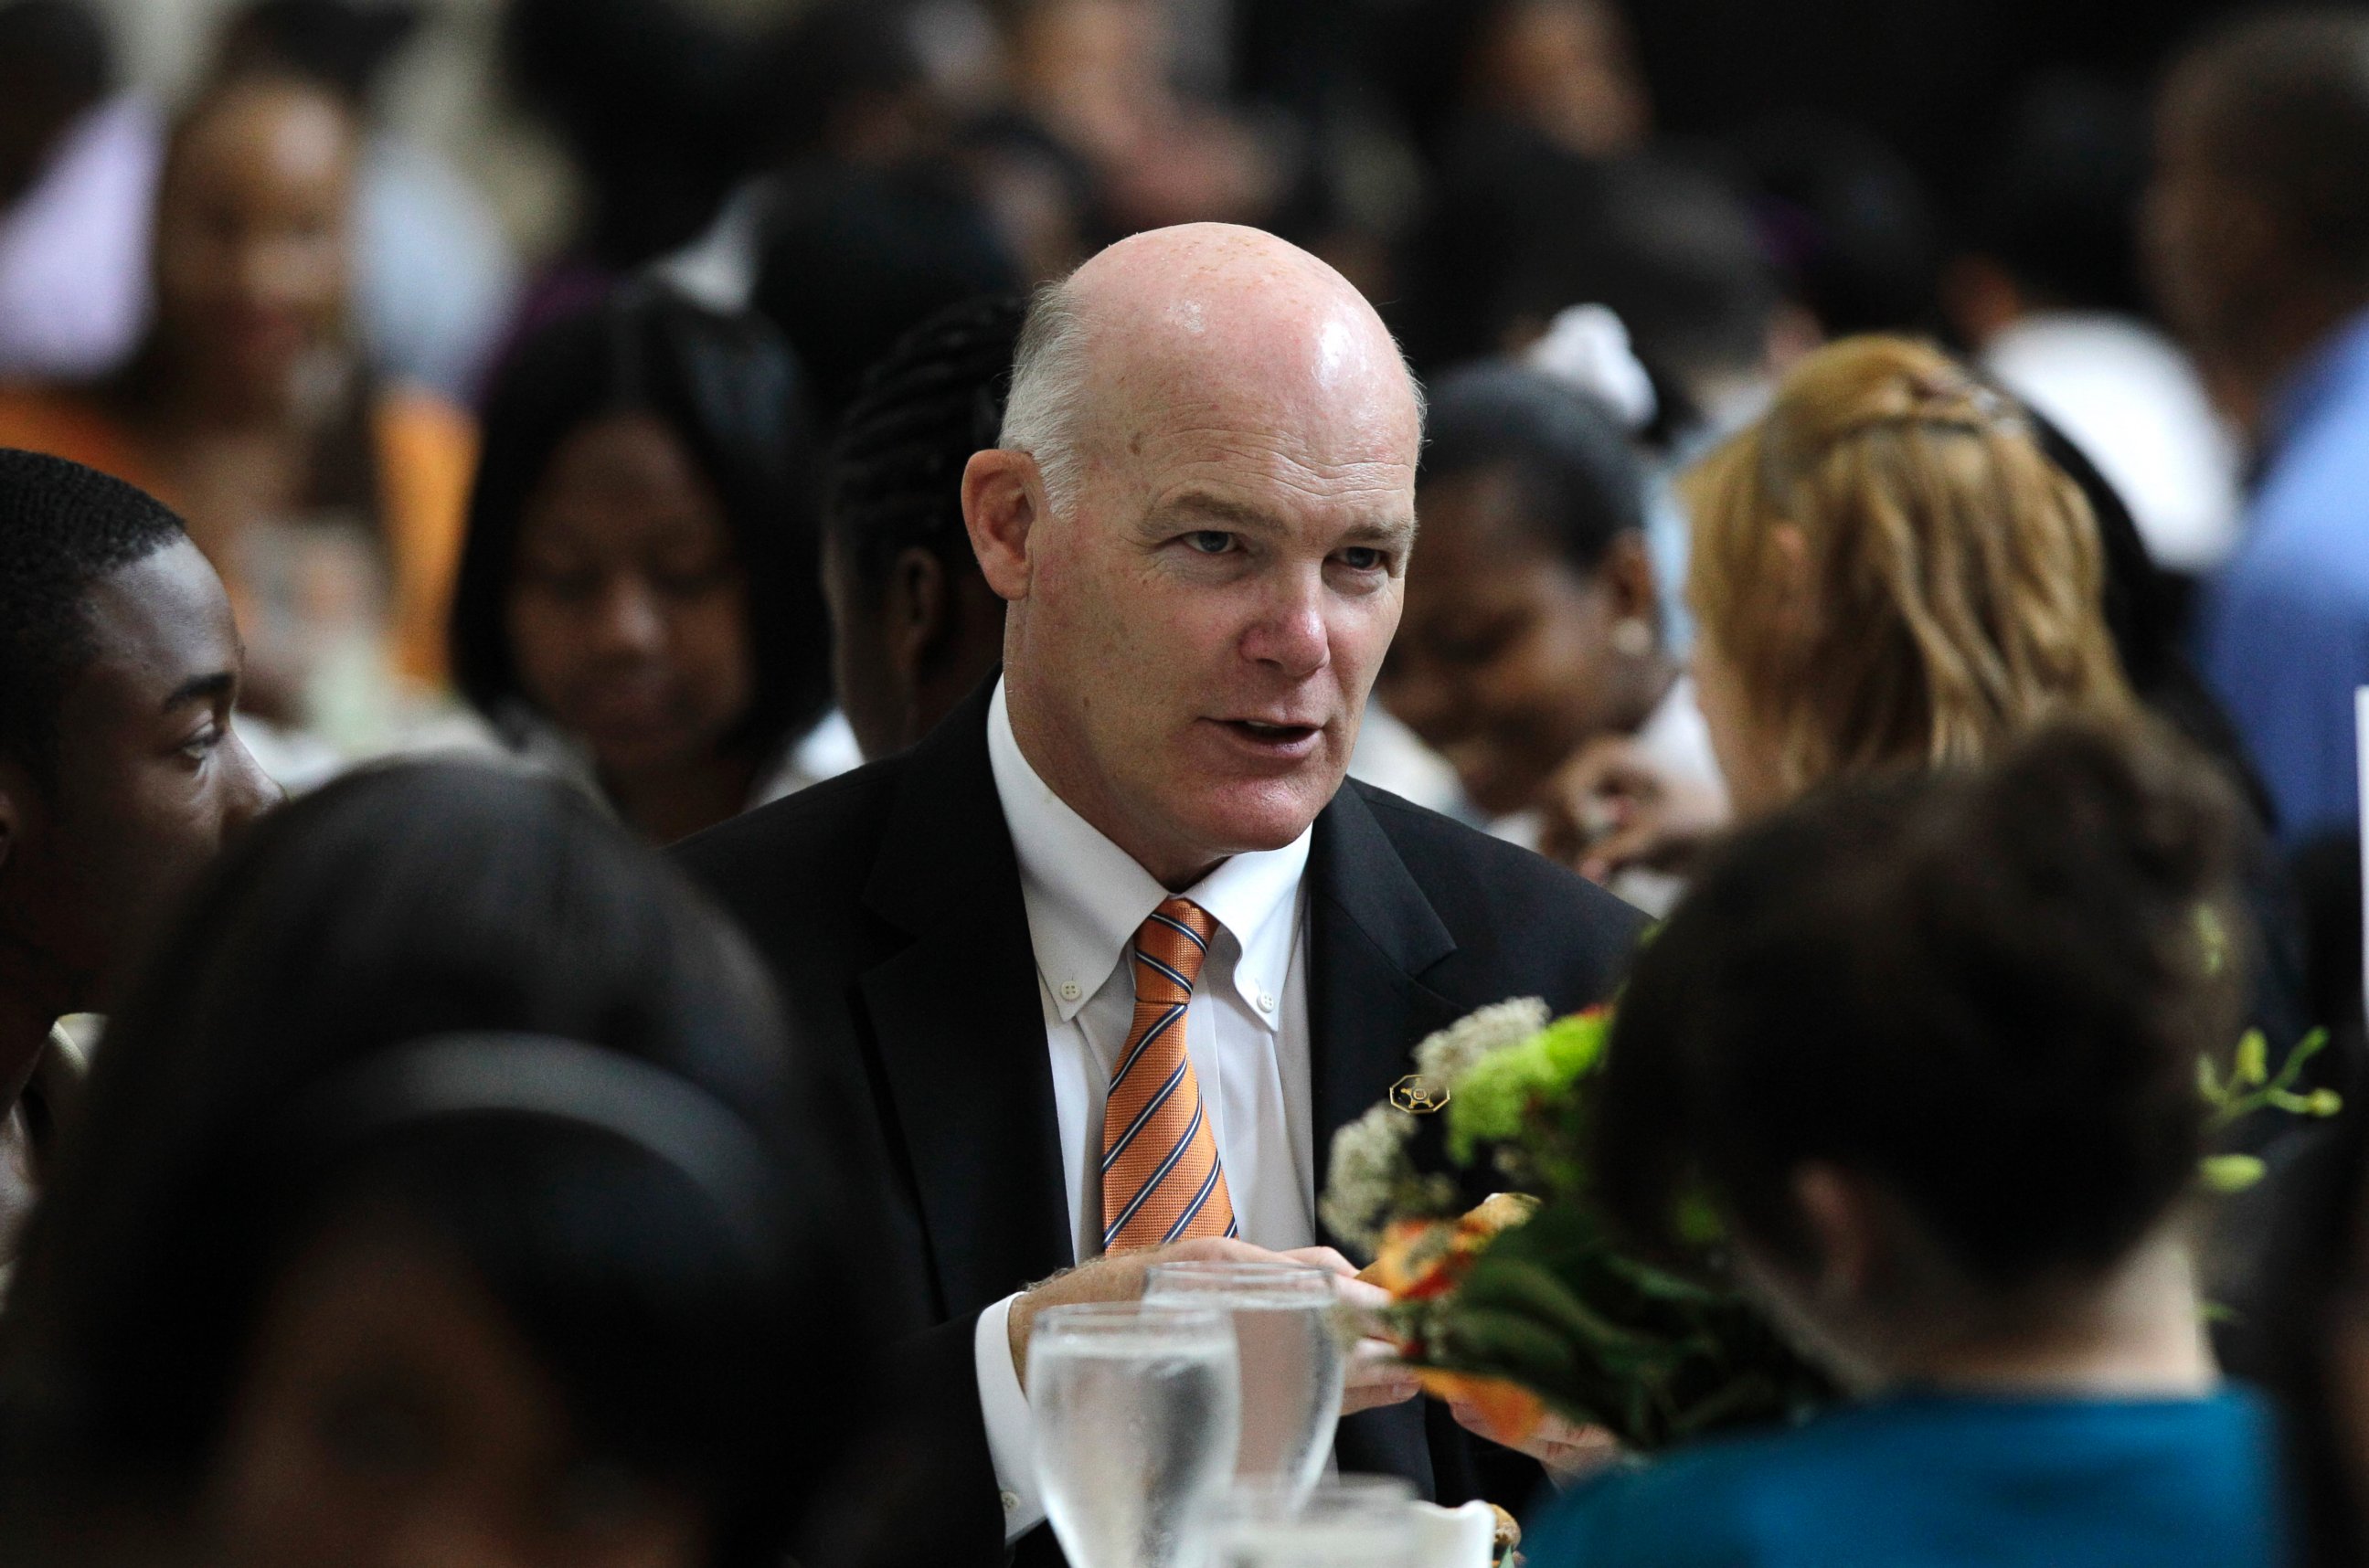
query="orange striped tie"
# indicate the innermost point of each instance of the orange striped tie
(1162, 1179)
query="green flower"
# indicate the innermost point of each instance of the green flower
(1497, 1094)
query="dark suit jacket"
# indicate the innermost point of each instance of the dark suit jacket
(887, 903)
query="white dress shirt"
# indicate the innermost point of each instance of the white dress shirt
(1246, 1031)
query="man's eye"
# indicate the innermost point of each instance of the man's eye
(1210, 540)
(196, 746)
(1364, 559)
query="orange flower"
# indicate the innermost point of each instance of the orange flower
(1418, 1260)
(1504, 1412)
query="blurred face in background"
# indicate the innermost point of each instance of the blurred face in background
(391, 1416)
(628, 609)
(1505, 662)
(1565, 69)
(2205, 236)
(253, 242)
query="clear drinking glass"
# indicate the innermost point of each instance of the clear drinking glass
(1135, 1408)
(1352, 1521)
(1290, 1355)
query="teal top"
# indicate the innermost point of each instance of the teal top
(1932, 1481)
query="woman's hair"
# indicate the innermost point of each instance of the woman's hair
(1987, 990)
(1578, 478)
(234, 1121)
(897, 471)
(726, 389)
(1946, 590)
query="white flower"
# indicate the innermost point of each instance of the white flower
(1370, 1161)
(1446, 1057)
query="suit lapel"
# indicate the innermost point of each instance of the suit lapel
(1372, 935)
(959, 1028)
(1371, 932)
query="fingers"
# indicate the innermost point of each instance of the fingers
(1572, 1453)
(1604, 787)
(1207, 1249)
(1609, 765)
(1376, 1377)
(1569, 1450)
(1640, 841)
(1324, 1258)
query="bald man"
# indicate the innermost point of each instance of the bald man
(1095, 973)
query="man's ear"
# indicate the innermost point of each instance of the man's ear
(1842, 1218)
(1002, 498)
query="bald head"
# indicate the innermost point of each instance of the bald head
(1201, 313)
(1199, 515)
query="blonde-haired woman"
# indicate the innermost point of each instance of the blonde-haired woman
(1889, 572)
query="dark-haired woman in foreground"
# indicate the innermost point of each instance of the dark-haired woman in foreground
(1929, 1048)
(640, 599)
(436, 1202)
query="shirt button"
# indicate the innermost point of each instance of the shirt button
(1011, 1502)
(1069, 994)
(1266, 1001)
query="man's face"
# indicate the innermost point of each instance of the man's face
(1202, 623)
(150, 779)
(2203, 234)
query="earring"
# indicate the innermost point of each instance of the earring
(1632, 636)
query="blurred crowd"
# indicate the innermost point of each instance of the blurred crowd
(2003, 371)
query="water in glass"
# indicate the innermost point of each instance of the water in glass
(1361, 1521)
(1135, 1408)
(1290, 1352)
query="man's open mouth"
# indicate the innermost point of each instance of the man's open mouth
(1269, 733)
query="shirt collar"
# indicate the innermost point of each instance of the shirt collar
(1086, 896)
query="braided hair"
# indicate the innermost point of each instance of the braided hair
(896, 475)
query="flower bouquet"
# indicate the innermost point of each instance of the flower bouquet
(1529, 1304)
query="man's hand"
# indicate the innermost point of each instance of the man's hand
(1372, 1379)
(1375, 1376)
(1570, 1452)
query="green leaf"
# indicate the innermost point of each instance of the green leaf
(2253, 1062)
(2212, 939)
(2226, 1173)
(1508, 1343)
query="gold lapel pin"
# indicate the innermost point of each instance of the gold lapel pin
(1414, 1096)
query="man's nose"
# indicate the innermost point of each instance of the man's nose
(1292, 634)
(251, 790)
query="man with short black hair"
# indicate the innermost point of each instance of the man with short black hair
(120, 771)
(2259, 230)
(915, 626)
